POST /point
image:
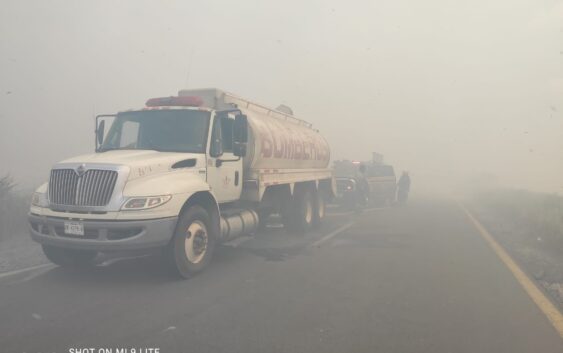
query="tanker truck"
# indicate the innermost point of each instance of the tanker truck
(181, 175)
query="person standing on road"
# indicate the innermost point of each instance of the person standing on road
(403, 186)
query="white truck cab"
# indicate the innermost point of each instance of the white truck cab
(182, 174)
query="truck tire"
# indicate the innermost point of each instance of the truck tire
(319, 209)
(304, 211)
(263, 216)
(69, 257)
(192, 247)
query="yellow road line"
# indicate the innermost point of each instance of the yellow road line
(545, 305)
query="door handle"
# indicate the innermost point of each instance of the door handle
(236, 178)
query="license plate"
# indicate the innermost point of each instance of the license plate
(74, 228)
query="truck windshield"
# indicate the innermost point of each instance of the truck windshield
(161, 130)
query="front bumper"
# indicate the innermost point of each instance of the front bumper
(346, 196)
(104, 235)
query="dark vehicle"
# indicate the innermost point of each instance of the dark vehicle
(382, 183)
(349, 194)
(353, 191)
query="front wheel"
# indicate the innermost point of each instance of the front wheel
(192, 247)
(69, 257)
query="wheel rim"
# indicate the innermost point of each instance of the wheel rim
(321, 205)
(196, 242)
(308, 211)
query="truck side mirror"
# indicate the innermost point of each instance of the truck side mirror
(240, 129)
(216, 149)
(100, 128)
(240, 135)
(100, 132)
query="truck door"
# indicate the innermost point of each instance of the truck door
(224, 170)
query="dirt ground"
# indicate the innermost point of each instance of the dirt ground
(19, 251)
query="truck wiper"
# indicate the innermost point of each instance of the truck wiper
(109, 149)
(152, 146)
(123, 149)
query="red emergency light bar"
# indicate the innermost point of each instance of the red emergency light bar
(183, 101)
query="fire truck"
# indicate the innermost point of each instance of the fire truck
(183, 174)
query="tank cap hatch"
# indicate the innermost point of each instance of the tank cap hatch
(284, 109)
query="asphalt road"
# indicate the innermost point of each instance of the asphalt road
(403, 279)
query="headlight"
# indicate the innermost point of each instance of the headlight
(143, 203)
(39, 199)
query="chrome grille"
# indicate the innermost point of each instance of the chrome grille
(93, 188)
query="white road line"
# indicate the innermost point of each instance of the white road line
(332, 234)
(23, 270)
(348, 213)
(34, 274)
(376, 209)
(338, 214)
(119, 259)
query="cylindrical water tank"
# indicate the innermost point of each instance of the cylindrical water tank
(275, 143)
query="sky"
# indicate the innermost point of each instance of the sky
(451, 91)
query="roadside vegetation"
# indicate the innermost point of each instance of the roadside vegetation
(540, 213)
(530, 226)
(14, 205)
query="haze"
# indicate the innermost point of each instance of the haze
(449, 91)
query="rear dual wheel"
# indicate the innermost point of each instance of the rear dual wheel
(305, 210)
(263, 216)
(320, 208)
